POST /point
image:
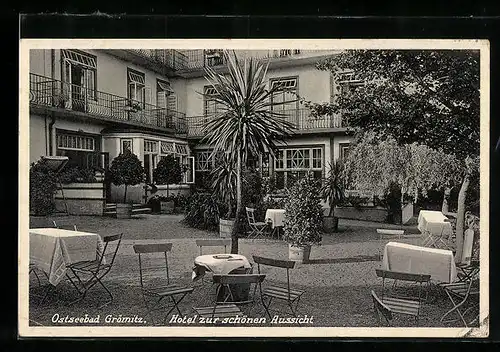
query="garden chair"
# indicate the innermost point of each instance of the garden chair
(257, 228)
(155, 278)
(287, 294)
(469, 266)
(225, 305)
(464, 297)
(90, 273)
(404, 304)
(213, 243)
(380, 308)
(387, 234)
(64, 227)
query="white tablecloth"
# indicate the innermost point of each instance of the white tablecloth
(220, 266)
(51, 250)
(434, 223)
(407, 258)
(275, 216)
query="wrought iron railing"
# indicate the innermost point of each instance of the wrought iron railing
(199, 59)
(50, 92)
(301, 119)
(169, 58)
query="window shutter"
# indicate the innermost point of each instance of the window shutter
(147, 95)
(172, 102)
(334, 89)
(161, 99)
(190, 174)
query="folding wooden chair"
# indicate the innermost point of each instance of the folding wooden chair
(469, 267)
(213, 243)
(257, 228)
(287, 294)
(64, 227)
(464, 297)
(380, 308)
(437, 241)
(226, 306)
(403, 304)
(387, 234)
(155, 278)
(90, 273)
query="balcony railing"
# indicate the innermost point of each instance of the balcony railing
(199, 59)
(45, 91)
(173, 59)
(301, 120)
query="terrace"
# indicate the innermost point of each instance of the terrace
(60, 96)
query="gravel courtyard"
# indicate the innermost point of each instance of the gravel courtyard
(337, 280)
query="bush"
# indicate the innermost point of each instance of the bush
(202, 211)
(43, 185)
(77, 174)
(180, 202)
(303, 223)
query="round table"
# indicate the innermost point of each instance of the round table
(276, 217)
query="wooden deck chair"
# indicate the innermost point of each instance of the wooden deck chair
(64, 227)
(464, 297)
(257, 228)
(387, 234)
(90, 273)
(225, 306)
(286, 293)
(155, 279)
(403, 304)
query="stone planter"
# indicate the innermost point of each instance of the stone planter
(123, 211)
(299, 254)
(167, 207)
(225, 228)
(330, 224)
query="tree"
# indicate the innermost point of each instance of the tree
(245, 124)
(126, 169)
(430, 97)
(379, 165)
(168, 171)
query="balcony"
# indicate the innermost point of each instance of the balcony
(61, 96)
(163, 61)
(301, 119)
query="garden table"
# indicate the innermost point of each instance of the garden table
(407, 258)
(435, 227)
(275, 217)
(223, 264)
(52, 250)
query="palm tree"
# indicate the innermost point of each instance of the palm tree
(246, 125)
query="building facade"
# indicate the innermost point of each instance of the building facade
(91, 105)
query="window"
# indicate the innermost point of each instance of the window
(165, 96)
(214, 57)
(180, 152)
(293, 163)
(343, 151)
(210, 106)
(284, 100)
(137, 90)
(203, 165)
(150, 158)
(82, 150)
(79, 75)
(126, 144)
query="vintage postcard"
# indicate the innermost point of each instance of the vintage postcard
(254, 188)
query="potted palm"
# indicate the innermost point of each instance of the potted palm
(224, 188)
(332, 192)
(126, 169)
(245, 124)
(167, 172)
(303, 218)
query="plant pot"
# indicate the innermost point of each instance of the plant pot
(299, 254)
(225, 228)
(167, 207)
(123, 211)
(330, 224)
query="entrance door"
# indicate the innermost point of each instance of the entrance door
(78, 88)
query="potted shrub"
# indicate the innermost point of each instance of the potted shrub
(167, 172)
(126, 169)
(303, 218)
(332, 192)
(224, 188)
